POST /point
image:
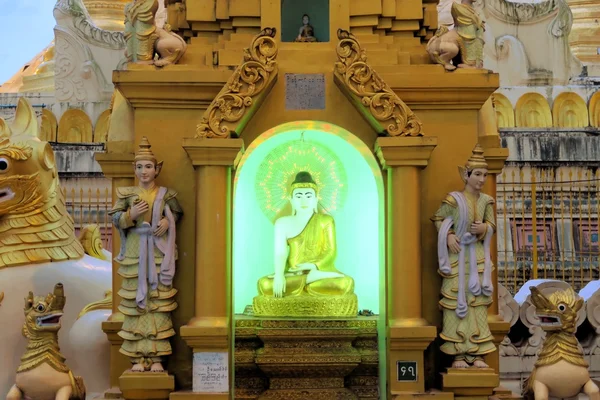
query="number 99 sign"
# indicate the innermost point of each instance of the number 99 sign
(407, 371)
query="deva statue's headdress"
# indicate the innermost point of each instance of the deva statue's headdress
(145, 154)
(304, 180)
(476, 161)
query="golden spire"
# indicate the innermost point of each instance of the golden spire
(477, 160)
(144, 153)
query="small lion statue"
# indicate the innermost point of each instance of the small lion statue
(43, 373)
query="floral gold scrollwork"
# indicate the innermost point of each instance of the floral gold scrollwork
(362, 80)
(239, 93)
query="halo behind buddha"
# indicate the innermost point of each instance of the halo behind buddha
(279, 170)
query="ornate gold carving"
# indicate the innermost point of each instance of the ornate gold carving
(34, 224)
(91, 240)
(283, 358)
(16, 151)
(505, 115)
(569, 111)
(594, 110)
(102, 125)
(49, 126)
(75, 127)
(228, 113)
(105, 304)
(394, 116)
(533, 111)
(42, 323)
(303, 306)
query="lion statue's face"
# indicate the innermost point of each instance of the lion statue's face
(28, 175)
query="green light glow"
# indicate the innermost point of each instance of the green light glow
(359, 222)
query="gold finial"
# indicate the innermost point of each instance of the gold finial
(144, 153)
(477, 160)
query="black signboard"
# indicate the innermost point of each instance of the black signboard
(407, 371)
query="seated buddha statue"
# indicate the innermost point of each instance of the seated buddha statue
(305, 281)
(306, 32)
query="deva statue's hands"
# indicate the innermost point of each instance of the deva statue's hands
(162, 227)
(278, 285)
(138, 209)
(453, 243)
(478, 228)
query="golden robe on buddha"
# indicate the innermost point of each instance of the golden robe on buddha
(315, 244)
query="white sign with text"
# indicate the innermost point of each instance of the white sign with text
(211, 373)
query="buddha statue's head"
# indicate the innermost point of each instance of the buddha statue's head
(304, 194)
(146, 166)
(475, 170)
(305, 19)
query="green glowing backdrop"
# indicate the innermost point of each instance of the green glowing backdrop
(356, 204)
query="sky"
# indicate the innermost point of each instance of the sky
(26, 28)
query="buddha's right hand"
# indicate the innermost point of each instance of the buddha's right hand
(138, 209)
(278, 285)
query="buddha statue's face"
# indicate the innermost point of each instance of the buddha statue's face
(305, 20)
(476, 179)
(304, 200)
(145, 171)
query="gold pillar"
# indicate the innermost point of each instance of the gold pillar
(209, 331)
(495, 157)
(408, 332)
(118, 166)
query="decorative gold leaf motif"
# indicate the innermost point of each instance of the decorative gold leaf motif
(248, 80)
(16, 151)
(91, 240)
(362, 81)
(104, 304)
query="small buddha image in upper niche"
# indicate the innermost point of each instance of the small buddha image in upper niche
(307, 32)
(305, 21)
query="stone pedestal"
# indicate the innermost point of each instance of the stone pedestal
(470, 383)
(307, 359)
(146, 385)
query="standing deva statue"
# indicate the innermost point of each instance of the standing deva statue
(147, 34)
(465, 224)
(462, 46)
(145, 216)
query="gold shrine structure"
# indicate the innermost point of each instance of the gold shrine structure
(201, 115)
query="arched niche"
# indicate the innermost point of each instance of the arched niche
(75, 127)
(505, 115)
(569, 111)
(102, 125)
(533, 111)
(292, 12)
(49, 126)
(595, 110)
(359, 222)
